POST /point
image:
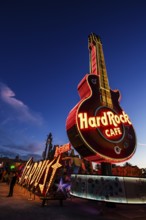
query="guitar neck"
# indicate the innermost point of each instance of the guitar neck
(98, 67)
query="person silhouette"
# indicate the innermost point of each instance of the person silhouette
(12, 184)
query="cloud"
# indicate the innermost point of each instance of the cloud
(20, 127)
(22, 111)
(11, 143)
(32, 147)
(141, 144)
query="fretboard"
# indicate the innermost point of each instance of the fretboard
(98, 67)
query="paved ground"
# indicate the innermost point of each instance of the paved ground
(23, 206)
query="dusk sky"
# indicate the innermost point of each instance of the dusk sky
(44, 55)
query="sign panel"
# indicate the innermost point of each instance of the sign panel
(114, 189)
(97, 127)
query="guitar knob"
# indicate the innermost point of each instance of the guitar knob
(130, 136)
(94, 81)
(126, 145)
(117, 149)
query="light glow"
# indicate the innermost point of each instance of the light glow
(55, 166)
(113, 132)
(108, 118)
(62, 149)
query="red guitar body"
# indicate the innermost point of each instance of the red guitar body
(90, 143)
(110, 140)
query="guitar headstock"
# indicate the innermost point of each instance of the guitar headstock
(94, 39)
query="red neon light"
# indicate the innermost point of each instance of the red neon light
(62, 149)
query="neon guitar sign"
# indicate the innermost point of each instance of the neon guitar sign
(97, 127)
(109, 124)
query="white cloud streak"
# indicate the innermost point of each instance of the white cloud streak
(141, 144)
(22, 111)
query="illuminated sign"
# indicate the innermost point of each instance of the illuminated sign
(97, 126)
(107, 121)
(108, 118)
(12, 167)
(93, 57)
(36, 173)
(62, 149)
(41, 172)
(42, 186)
(26, 169)
(55, 166)
(40, 176)
(34, 169)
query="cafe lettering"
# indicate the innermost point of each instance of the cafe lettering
(109, 121)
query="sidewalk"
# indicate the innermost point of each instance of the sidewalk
(23, 206)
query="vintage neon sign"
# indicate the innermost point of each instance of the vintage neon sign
(97, 126)
(42, 186)
(55, 166)
(107, 122)
(27, 168)
(106, 191)
(62, 149)
(108, 118)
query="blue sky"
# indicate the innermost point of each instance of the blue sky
(44, 55)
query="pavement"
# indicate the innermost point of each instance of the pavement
(26, 206)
